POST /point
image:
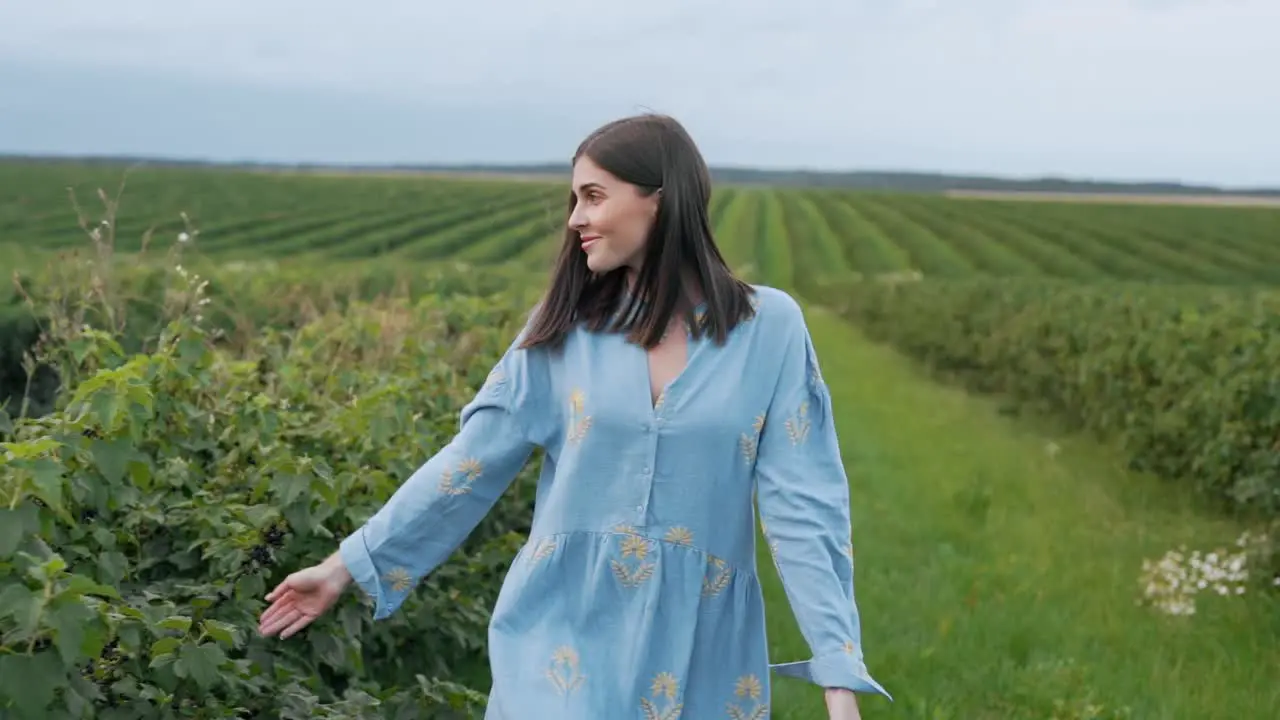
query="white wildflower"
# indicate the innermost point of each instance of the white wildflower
(1171, 583)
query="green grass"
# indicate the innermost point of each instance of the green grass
(996, 578)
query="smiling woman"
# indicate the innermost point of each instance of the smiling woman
(625, 219)
(638, 231)
(637, 593)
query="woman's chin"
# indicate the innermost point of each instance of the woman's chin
(599, 264)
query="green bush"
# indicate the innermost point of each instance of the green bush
(131, 298)
(143, 520)
(1186, 378)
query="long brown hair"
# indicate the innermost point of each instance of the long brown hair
(651, 152)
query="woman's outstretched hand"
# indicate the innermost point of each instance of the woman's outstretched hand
(304, 596)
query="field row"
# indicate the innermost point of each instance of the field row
(788, 237)
(830, 234)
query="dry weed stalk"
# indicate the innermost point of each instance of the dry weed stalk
(79, 295)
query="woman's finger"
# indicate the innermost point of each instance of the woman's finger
(284, 619)
(287, 595)
(282, 616)
(274, 612)
(285, 600)
(300, 623)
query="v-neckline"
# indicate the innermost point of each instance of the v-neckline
(655, 403)
(655, 406)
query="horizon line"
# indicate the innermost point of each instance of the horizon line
(551, 168)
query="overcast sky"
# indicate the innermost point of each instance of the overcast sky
(1112, 89)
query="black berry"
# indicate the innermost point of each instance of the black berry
(260, 554)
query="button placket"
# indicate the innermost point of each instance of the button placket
(647, 472)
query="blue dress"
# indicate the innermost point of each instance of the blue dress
(636, 595)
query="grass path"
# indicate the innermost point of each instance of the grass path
(996, 579)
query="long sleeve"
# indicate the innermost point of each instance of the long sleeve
(803, 497)
(441, 503)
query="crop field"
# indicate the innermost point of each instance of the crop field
(788, 237)
(1059, 420)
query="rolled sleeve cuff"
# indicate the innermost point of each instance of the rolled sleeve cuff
(355, 555)
(838, 670)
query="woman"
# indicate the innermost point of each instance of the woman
(670, 398)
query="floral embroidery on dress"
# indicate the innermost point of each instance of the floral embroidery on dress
(665, 686)
(798, 424)
(399, 579)
(770, 542)
(751, 442)
(748, 706)
(543, 549)
(579, 423)
(773, 544)
(815, 370)
(564, 672)
(716, 583)
(470, 470)
(679, 536)
(496, 379)
(633, 545)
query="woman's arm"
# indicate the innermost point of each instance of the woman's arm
(803, 496)
(441, 503)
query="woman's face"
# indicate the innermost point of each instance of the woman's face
(612, 218)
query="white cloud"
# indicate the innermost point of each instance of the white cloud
(1140, 88)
